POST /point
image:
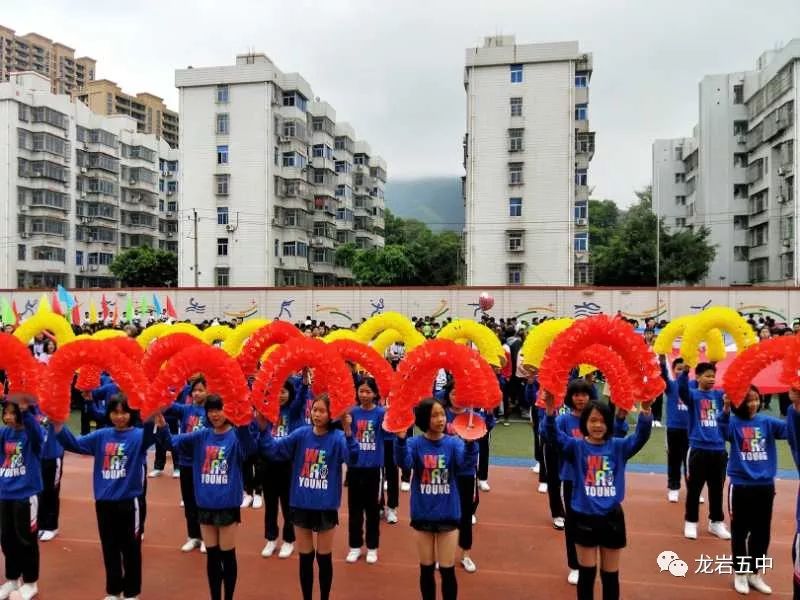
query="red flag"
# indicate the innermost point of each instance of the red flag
(104, 307)
(76, 313)
(171, 309)
(116, 313)
(55, 305)
(16, 312)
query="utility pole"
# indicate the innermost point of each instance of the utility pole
(196, 272)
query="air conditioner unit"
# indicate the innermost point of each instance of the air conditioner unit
(230, 228)
(24, 235)
(170, 234)
(170, 192)
(170, 215)
(82, 269)
(515, 249)
(23, 208)
(165, 173)
(85, 146)
(93, 267)
(37, 173)
(132, 182)
(84, 169)
(283, 139)
(741, 138)
(280, 261)
(83, 194)
(581, 221)
(786, 242)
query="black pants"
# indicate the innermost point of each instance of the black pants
(277, 481)
(677, 447)
(49, 499)
(160, 460)
(705, 467)
(253, 475)
(658, 407)
(796, 563)
(190, 503)
(405, 474)
(121, 541)
(569, 525)
(783, 403)
(550, 454)
(363, 494)
(391, 475)
(19, 538)
(468, 497)
(538, 452)
(750, 507)
(483, 457)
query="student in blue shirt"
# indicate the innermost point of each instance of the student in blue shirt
(21, 443)
(119, 473)
(317, 453)
(751, 492)
(436, 459)
(793, 419)
(707, 457)
(598, 469)
(677, 427)
(217, 453)
(364, 481)
(49, 499)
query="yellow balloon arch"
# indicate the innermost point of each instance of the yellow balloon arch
(161, 329)
(484, 339)
(236, 339)
(45, 320)
(715, 341)
(370, 329)
(715, 317)
(216, 333)
(539, 339)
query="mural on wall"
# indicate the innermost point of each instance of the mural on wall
(587, 309)
(248, 311)
(286, 304)
(334, 310)
(377, 307)
(30, 308)
(537, 312)
(655, 312)
(701, 307)
(195, 307)
(761, 310)
(440, 310)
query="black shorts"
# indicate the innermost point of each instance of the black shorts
(219, 517)
(315, 520)
(606, 531)
(434, 526)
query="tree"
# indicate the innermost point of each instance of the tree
(603, 219)
(383, 266)
(628, 258)
(145, 267)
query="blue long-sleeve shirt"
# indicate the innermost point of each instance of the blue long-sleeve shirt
(677, 411)
(216, 460)
(703, 409)
(191, 418)
(570, 424)
(21, 459)
(434, 493)
(368, 432)
(598, 469)
(119, 456)
(793, 436)
(316, 465)
(753, 459)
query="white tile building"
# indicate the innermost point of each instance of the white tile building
(526, 156)
(736, 175)
(79, 188)
(271, 182)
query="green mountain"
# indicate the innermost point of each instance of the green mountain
(436, 201)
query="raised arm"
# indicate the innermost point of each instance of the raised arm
(684, 393)
(280, 449)
(248, 442)
(631, 445)
(33, 429)
(85, 444)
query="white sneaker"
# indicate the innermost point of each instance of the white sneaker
(657, 424)
(690, 530)
(7, 588)
(558, 522)
(542, 488)
(672, 495)
(190, 545)
(258, 501)
(176, 473)
(536, 468)
(247, 500)
(203, 549)
(702, 500)
(269, 548)
(286, 550)
(740, 584)
(353, 555)
(391, 516)
(385, 486)
(28, 591)
(405, 486)
(155, 473)
(372, 556)
(110, 597)
(474, 519)
(469, 564)
(47, 535)
(484, 486)
(757, 582)
(572, 578)
(181, 503)
(719, 529)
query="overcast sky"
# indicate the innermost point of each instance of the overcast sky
(394, 70)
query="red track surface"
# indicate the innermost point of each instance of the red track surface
(519, 554)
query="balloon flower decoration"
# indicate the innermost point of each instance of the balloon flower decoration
(715, 317)
(748, 364)
(485, 302)
(715, 342)
(276, 332)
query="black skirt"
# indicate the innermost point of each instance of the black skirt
(315, 520)
(219, 517)
(434, 526)
(605, 531)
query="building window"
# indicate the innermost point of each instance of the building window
(222, 276)
(222, 93)
(759, 270)
(514, 274)
(223, 121)
(741, 253)
(515, 207)
(581, 112)
(581, 80)
(222, 246)
(740, 128)
(515, 140)
(515, 173)
(740, 159)
(276, 245)
(581, 242)
(516, 107)
(516, 73)
(680, 177)
(680, 221)
(581, 212)
(738, 94)
(678, 152)
(581, 177)
(222, 155)
(741, 222)
(222, 215)
(21, 252)
(294, 159)
(680, 200)
(514, 241)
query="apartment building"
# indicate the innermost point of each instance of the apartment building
(87, 186)
(735, 175)
(272, 182)
(54, 60)
(526, 154)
